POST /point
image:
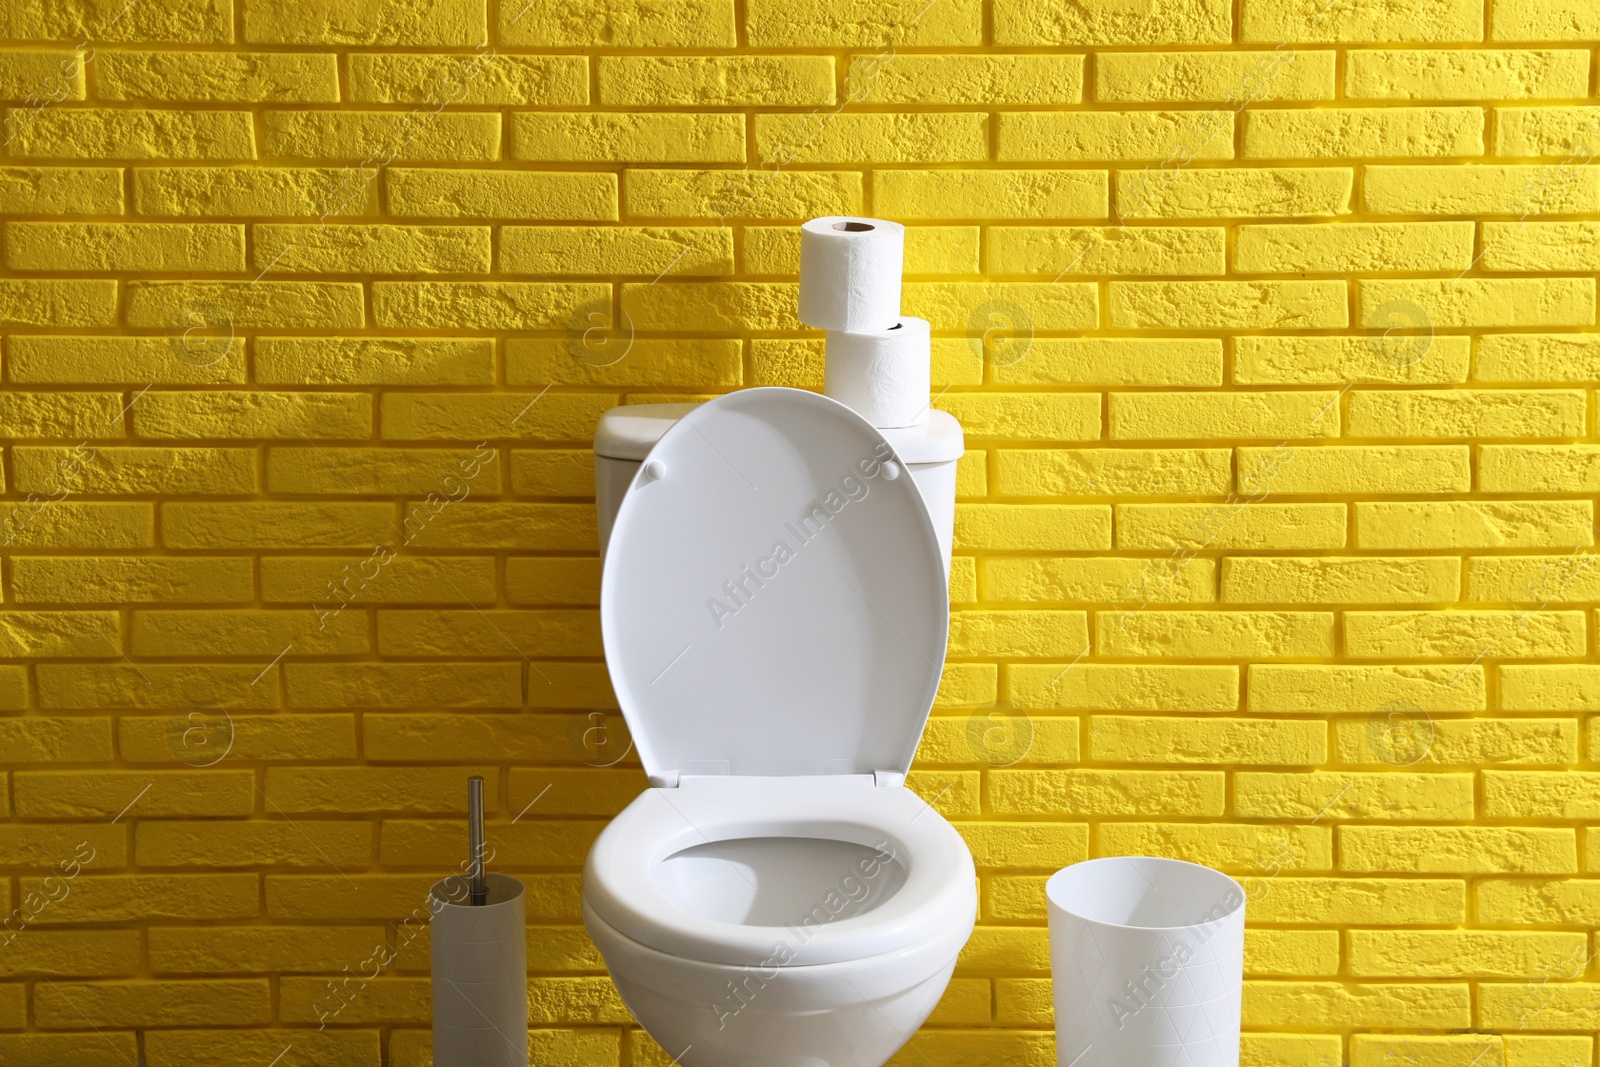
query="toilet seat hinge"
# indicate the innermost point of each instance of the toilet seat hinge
(886, 778)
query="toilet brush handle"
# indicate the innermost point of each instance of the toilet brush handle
(479, 884)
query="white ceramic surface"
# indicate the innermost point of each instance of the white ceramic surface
(850, 272)
(884, 376)
(919, 874)
(1147, 963)
(480, 975)
(625, 435)
(779, 897)
(773, 600)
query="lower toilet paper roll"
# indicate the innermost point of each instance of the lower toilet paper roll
(480, 975)
(850, 273)
(883, 375)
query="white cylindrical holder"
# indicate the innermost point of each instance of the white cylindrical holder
(883, 375)
(480, 975)
(850, 273)
(1147, 961)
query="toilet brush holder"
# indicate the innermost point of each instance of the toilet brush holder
(1147, 963)
(479, 961)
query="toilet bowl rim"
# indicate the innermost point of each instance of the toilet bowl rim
(618, 885)
(944, 943)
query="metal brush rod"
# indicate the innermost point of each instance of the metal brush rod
(479, 884)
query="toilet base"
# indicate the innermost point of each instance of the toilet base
(852, 1014)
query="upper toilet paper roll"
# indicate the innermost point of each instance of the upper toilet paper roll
(883, 375)
(850, 273)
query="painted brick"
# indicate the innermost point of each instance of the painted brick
(1260, 742)
(1000, 194)
(1367, 1049)
(1488, 302)
(725, 194)
(1099, 580)
(165, 20)
(1035, 472)
(1569, 687)
(1060, 22)
(1466, 413)
(1562, 20)
(1339, 796)
(1228, 305)
(1531, 742)
(1457, 850)
(1464, 74)
(61, 190)
(1332, 580)
(1480, 189)
(239, 191)
(205, 738)
(217, 77)
(1038, 136)
(1353, 247)
(618, 24)
(432, 580)
(104, 794)
(1058, 250)
(636, 137)
(1232, 846)
(1251, 635)
(171, 360)
(1331, 133)
(1413, 469)
(1302, 900)
(1334, 1004)
(487, 194)
(1410, 358)
(1199, 527)
(1227, 416)
(657, 81)
(106, 133)
(1226, 192)
(342, 22)
(405, 78)
(372, 249)
(1311, 21)
(966, 79)
(1305, 687)
(829, 23)
(121, 246)
(1533, 580)
(156, 1003)
(1235, 78)
(1465, 634)
(26, 302)
(1569, 1005)
(378, 361)
(1545, 131)
(901, 138)
(1472, 524)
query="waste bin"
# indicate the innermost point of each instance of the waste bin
(1147, 960)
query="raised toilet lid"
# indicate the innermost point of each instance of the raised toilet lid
(773, 600)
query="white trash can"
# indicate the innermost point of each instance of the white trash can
(1147, 960)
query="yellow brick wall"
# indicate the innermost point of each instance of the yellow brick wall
(1272, 327)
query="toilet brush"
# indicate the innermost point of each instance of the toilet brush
(479, 957)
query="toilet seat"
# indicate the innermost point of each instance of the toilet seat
(774, 599)
(621, 887)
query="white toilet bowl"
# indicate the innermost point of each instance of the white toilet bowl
(797, 922)
(775, 614)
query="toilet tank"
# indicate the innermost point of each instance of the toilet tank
(625, 436)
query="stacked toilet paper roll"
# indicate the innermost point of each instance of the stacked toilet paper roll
(877, 361)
